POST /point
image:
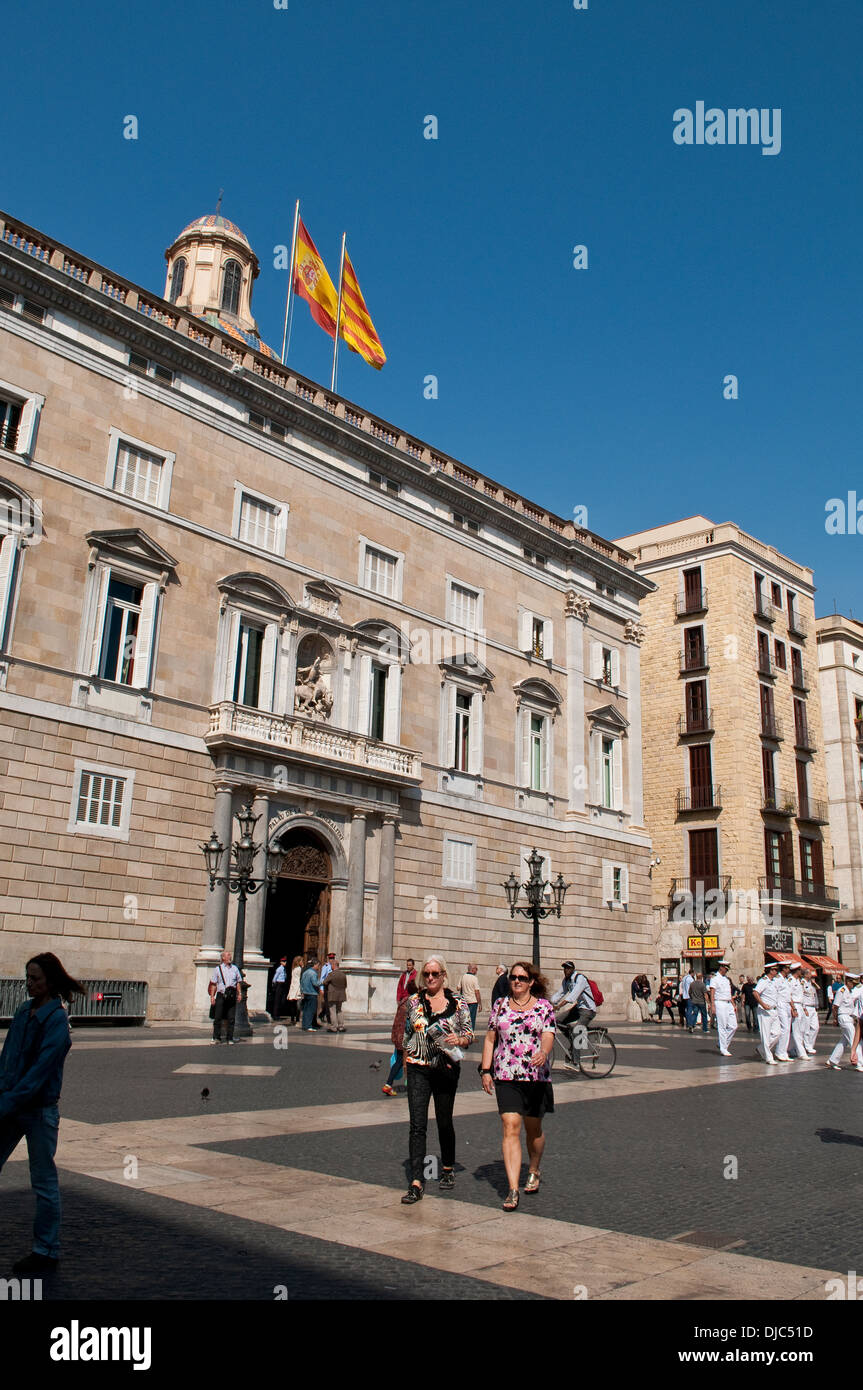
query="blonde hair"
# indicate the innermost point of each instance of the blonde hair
(440, 961)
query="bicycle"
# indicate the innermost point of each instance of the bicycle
(592, 1050)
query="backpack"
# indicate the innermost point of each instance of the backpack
(597, 993)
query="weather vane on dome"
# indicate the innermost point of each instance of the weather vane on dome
(219, 203)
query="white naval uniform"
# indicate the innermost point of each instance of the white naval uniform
(783, 1011)
(726, 1014)
(798, 1023)
(857, 1001)
(843, 1001)
(813, 1023)
(768, 1020)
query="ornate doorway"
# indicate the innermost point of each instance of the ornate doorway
(297, 920)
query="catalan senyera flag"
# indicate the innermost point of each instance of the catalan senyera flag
(313, 283)
(357, 329)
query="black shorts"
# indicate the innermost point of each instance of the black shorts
(531, 1098)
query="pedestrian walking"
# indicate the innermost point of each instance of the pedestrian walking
(766, 997)
(323, 1000)
(783, 1012)
(280, 988)
(812, 1022)
(337, 993)
(310, 988)
(408, 975)
(844, 1014)
(685, 985)
(515, 1062)
(31, 1078)
(856, 1048)
(226, 990)
(468, 988)
(397, 1036)
(640, 991)
(750, 1004)
(501, 984)
(798, 1016)
(664, 1001)
(682, 1006)
(698, 1003)
(295, 993)
(722, 1008)
(437, 1027)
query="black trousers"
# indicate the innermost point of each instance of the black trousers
(425, 1084)
(228, 1013)
(279, 992)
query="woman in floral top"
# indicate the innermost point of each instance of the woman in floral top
(437, 1027)
(515, 1059)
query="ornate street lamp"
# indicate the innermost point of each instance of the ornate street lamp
(543, 897)
(239, 880)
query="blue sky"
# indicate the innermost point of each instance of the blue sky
(601, 387)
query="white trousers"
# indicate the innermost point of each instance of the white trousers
(813, 1023)
(781, 1044)
(726, 1023)
(847, 1025)
(799, 1029)
(768, 1027)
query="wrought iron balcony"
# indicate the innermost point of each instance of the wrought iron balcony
(694, 659)
(858, 727)
(771, 727)
(695, 722)
(765, 665)
(308, 738)
(699, 799)
(698, 885)
(802, 737)
(779, 803)
(813, 810)
(765, 609)
(795, 890)
(798, 626)
(687, 604)
(798, 678)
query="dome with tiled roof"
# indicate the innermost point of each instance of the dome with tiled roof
(216, 222)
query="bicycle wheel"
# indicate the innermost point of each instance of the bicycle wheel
(599, 1057)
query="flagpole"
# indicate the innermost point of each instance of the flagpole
(289, 302)
(338, 315)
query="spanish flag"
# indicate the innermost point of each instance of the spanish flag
(313, 283)
(357, 329)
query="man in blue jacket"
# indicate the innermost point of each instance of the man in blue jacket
(31, 1077)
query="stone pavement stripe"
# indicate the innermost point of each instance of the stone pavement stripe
(453, 1235)
(202, 1069)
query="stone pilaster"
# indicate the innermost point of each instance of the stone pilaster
(386, 893)
(356, 887)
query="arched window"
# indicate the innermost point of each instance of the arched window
(178, 279)
(231, 286)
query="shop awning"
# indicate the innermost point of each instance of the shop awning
(827, 964)
(782, 956)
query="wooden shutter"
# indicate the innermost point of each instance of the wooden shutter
(102, 581)
(269, 654)
(692, 588)
(474, 752)
(546, 754)
(768, 774)
(365, 695)
(392, 708)
(786, 854)
(624, 883)
(615, 668)
(596, 741)
(8, 568)
(704, 857)
(596, 661)
(817, 861)
(449, 725)
(548, 641)
(607, 882)
(700, 775)
(617, 775)
(146, 637)
(525, 639)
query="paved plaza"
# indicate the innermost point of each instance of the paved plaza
(682, 1176)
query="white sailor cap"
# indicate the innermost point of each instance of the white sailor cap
(852, 974)
(795, 965)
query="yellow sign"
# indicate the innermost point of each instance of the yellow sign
(710, 943)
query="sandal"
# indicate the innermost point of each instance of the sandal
(533, 1181)
(511, 1203)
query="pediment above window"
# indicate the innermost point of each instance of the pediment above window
(537, 692)
(134, 548)
(321, 597)
(389, 640)
(20, 514)
(466, 666)
(608, 717)
(247, 587)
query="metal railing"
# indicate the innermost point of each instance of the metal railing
(802, 737)
(684, 604)
(123, 1000)
(695, 723)
(765, 609)
(771, 727)
(779, 803)
(699, 799)
(797, 890)
(699, 884)
(814, 810)
(694, 659)
(797, 626)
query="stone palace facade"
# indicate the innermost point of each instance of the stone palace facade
(220, 582)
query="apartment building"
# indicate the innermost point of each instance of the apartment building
(221, 583)
(840, 676)
(734, 764)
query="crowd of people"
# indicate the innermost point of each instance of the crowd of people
(782, 1007)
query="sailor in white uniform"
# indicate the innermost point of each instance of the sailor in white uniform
(857, 1001)
(844, 1013)
(767, 999)
(783, 1012)
(798, 1016)
(810, 1008)
(722, 1007)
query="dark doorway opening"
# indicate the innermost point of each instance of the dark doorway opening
(296, 922)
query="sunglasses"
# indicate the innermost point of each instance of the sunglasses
(431, 974)
(526, 978)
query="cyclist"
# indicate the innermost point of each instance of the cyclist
(573, 1003)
